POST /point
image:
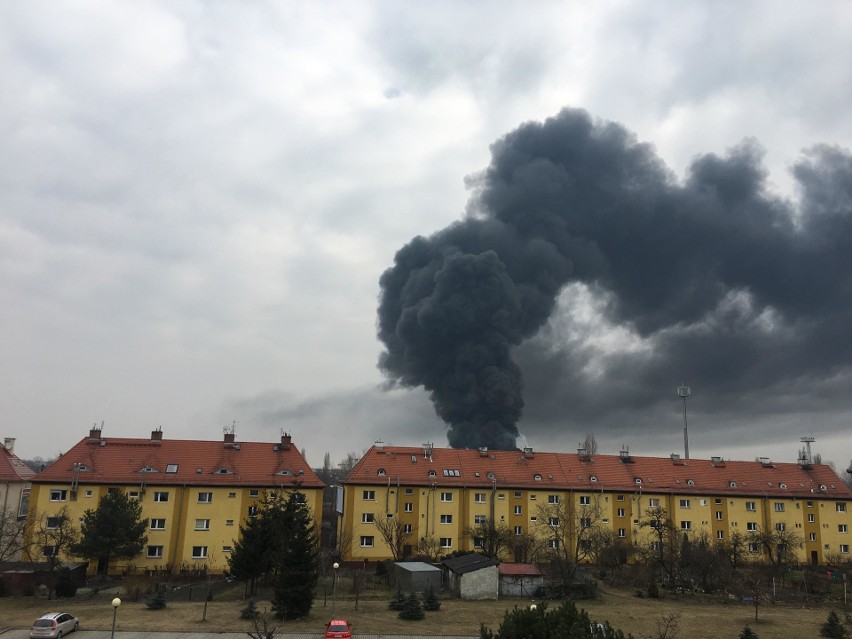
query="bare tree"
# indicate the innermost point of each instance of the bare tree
(52, 537)
(778, 545)
(492, 538)
(667, 626)
(568, 532)
(393, 531)
(429, 547)
(590, 444)
(348, 463)
(664, 550)
(12, 534)
(261, 627)
(734, 548)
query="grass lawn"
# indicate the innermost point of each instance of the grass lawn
(700, 616)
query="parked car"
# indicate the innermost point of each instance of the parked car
(338, 629)
(53, 625)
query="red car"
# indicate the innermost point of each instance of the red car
(338, 629)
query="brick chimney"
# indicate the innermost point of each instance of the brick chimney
(157, 435)
(229, 439)
(286, 441)
(95, 434)
(9, 444)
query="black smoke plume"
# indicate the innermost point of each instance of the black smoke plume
(575, 200)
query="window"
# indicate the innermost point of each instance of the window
(518, 530)
(202, 524)
(254, 493)
(479, 498)
(720, 534)
(199, 552)
(446, 496)
(553, 499)
(89, 493)
(252, 511)
(585, 500)
(654, 503)
(751, 526)
(842, 528)
(753, 548)
(24, 504)
(537, 477)
(621, 512)
(718, 515)
(718, 502)
(368, 518)
(205, 498)
(446, 519)
(366, 541)
(229, 522)
(171, 468)
(406, 528)
(227, 549)
(231, 496)
(553, 521)
(703, 502)
(58, 495)
(409, 507)
(686, 525)
(780, 526)
(844, 548)
(779, 506)
(478, 542)
(409, 491)
(446, 542)
(517, 494)
(553, 544)
(751, 506)
(620, 498)
(369, 495)
(518, 510)
(50, 551)
(533, 497)
(133, 495)
(684, 503)
(54, 522)
(161, 496)
(158, 524)
(622, 533)
(452, 472)
(810, 504)
(841, 506)
(812, 537)
(585, 522)
(154, 552)
(811, 518)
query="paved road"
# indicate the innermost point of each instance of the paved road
(105, 634)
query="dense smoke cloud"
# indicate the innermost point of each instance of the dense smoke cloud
(714, 269)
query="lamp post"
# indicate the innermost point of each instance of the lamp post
(335, 565)
(115, 604)
(683, 392)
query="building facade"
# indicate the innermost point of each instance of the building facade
(194, 494)
(442, 495)
(15, 477)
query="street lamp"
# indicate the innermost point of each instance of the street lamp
(115, 604)
(335, 565)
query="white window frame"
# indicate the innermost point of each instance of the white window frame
(157, 520)
(684, 504)
(779, 506)
(446, 496)
(553, 499)
(446, 519)
(479, 498)
(409, 507)
(205, 497)
(446, 542)
(202, 524)
(368, 495)
(585, 500)
(368, 518)
(686, 524)
(58, 494)
(199, 552)
(161, 496)
(368, 541)
(751, 506)
(840, 507)
(154, 552)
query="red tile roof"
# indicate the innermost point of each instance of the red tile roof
(563, 471)
(120, 460)
(519, 570)
(12, 469)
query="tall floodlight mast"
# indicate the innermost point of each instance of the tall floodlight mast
(683, 392)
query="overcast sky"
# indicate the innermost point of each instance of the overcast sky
(197, 201)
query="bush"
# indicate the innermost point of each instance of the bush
(748, 633)
(565, 622)
(412, 611)
(832, 627)
(430, 599)
(398, 601)
(66, 586)
(157, 600)
(250, 611)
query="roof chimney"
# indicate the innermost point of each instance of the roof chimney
(380, 446)
(9, 444)
(229, 439)
(157, 434)
(95, 432)
(286, 441)
(528, 452)
(483, 451)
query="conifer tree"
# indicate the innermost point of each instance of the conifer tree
(412, 610)
(748, 633)
(832, 627)
(430, 599)
(114, 530)
(293, 557)
(398, 600)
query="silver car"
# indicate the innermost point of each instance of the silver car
(53, 625)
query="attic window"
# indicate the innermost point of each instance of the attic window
(144, 469)
(690, 482)
(414, 459)
(81, 467)
(432, 473)
(224, 471)
(283, 472)
(476, 473)
(490, 475)
(381, 472)
(199, 469)
(732, 484)
(171, 468)
(782, 485)
(593, 478)
(452, 472)
(537, 477)
(638, 480)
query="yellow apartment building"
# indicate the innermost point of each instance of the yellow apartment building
(442, 493)
(15, 478)
(194, 494)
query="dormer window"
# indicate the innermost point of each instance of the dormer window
(381, 472)
(224, 471)
(537, 477)
(593, 478)
(690, 482)
(732, 484)
(432, 473)
(283, 472)
(782, 485)
(144, 469)
(638, 480)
